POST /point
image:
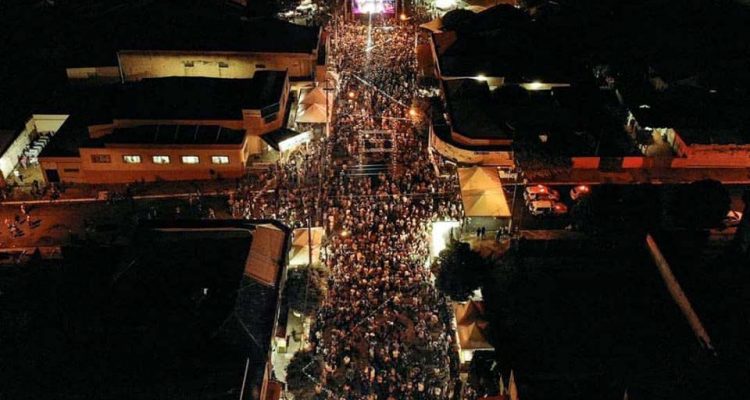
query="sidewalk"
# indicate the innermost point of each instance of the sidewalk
(154, 190)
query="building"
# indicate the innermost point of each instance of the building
(168, 129)
(688, 125)
(497, 47)
(207, 291)
(158, 40)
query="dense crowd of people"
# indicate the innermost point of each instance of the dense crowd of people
(383, 331)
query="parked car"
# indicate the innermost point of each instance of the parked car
(579, 191)
(547, 207)
(733, 218)
(540, 192)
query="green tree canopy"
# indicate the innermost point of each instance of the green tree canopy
(459, 270)
(303, 298)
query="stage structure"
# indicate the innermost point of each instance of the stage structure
(360, 7)
(377, 146)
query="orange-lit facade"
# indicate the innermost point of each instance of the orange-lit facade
(137, 146)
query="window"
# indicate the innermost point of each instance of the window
(220, 160)
(160, 159)
(101, 158)
(189, 64)
(190, 159)
(131, 159)
(223, 65)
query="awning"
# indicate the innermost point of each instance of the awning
(284, 139)
(482, 192)
(266, 254)
(436, 25)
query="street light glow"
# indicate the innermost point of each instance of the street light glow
(445, 4)
(536, 85)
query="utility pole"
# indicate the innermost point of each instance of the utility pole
(244, 379)
(309, 272)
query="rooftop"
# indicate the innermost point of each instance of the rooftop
(700, 115)
(139, 324)
(166, 25)
(576, 330)
(504, 42)
(174, 134)
(200, 98)
(574, 118)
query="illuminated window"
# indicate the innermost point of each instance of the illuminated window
(160, 159)
(101, 158)
(220, 160)
(131, 159)
(190, 160)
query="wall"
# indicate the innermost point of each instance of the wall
(585, 162)
(726, 156)
(69, 168)
(136, 65)
(458, 137)
(9, 159)
(118, 171)
(48, 122)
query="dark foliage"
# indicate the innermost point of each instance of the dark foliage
(301, 367)
(301, 297)
(459, 271)
(702, 204)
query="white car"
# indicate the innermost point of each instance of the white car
(733, 218)
(540, 192)
(547, 207)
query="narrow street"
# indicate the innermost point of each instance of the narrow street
(384, 330)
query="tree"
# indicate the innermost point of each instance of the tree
(610, 209)
(301, 368)
(459, 270)
(699, 205)
(455, 19)
(303, 298)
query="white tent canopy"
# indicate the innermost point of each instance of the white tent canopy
(311, 114)
(316, 96)
(482, 192)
